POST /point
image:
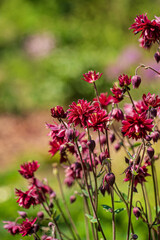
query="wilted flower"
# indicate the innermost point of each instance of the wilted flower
(12, 227)
(58, 112)
(124, 80)
(118, 94)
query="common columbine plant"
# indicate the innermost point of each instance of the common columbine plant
(88, 161)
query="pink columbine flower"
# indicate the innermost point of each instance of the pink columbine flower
(12, 227)
(118, 94)
(98, 120)
(137, 126)
(150, 30)
(104, 99)
(79, 113)
(27, 169)
(58, 112)
(27, 227)
(124, 80)
(151, 100)
(91, 76)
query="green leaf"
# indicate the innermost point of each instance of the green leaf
(100, 174)
(134, 173)
(119, 210)
(129, 155)
(107, 208)
(57, 218)
(85, 192)
(125, 196)
(91, 218)
(135, 145)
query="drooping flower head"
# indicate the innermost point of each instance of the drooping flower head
(124, 80)
(91, 76)
(27, 169)
(58, 112)
(118, 94)
(136, 126)
(27, 227)
(150, 30)
(80, 112)
(12, 227)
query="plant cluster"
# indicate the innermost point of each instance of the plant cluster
(84, 136)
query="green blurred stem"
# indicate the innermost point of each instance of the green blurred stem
(65, 204)
(90, 197)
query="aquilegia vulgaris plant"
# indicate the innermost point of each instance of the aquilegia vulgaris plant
(85, 136)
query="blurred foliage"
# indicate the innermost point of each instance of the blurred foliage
(88, 35)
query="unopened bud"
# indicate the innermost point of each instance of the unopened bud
(91, 145)
(157, 56)
(150, 152)
(137, 212)
(110, 178)
(117, 146)
(112, 137)
(153, 112)
(136, 81)
(22, 214)
(40, 215)
(72, 199)
(155, 136)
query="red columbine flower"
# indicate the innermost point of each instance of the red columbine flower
(104, 99)
(28, 169)
(151, 100)
(58, 112)
(98, 120)
(118, 94)
(140, 177)
(91, 76)
(27, 227)
(150, 30)
(124, 80)
(12, 227)
(136, 126)
(79, 113)
(25, 200)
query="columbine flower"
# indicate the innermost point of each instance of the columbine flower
(91, 76)
(27, 169)
(25, 200)
(151, 100)
(136, 126)
(118, 94)
(104, 99)
(12, 227)
(58, 112)
(150, 30)
(80, 112)
(98, 120)
(141, 174)
(124, 80)
(27, 227)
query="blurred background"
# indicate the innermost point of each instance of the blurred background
(45, 47)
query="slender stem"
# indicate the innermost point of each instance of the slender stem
(130, 209)
(146, 212)
(62, 213)
(65, 204)
(113, 215)
(154, 186)
(92, 204)
(96, 91)
(131, 100)
(86, 221)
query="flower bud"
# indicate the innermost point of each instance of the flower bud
(134, 236)
(35, 228)
(40, 215)
(155, 136)
(153, 112)
(91, 145)
(157, 56)
(112, 137)
(117, 114)
(150, 152)
(58, 112)
(110, 178)
(72, 199)
(50, 224)
(22, 214)
(51, 205)
(117, 146)
(137, 212)
(148, 138)
(136, 81)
